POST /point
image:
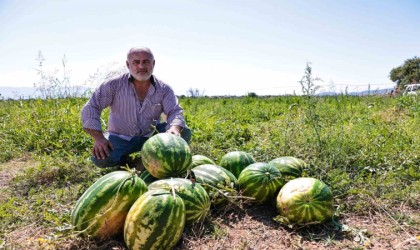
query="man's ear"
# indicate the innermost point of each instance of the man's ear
(126, 63)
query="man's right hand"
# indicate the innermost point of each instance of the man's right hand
(101, 148)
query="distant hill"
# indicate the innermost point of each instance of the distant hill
(17, 92)
(29, 92)
(360, 93)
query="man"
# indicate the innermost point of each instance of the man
(136, 100)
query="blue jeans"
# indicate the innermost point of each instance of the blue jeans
(123, 148)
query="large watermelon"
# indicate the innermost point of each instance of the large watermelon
(195, 197)
(155, 221)
(289, 165)
(216, 179)
(166, 155)
(236, 161)
(261, 181)
(304, 200)
(200, 160)
(101, 210)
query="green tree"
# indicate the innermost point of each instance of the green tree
(407, 73)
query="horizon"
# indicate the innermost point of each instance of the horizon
(217, 47)
(21, 93)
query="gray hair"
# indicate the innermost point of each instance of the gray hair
(140, 49)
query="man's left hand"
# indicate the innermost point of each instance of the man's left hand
(175, 130)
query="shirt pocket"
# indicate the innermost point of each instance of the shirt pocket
(156, 111)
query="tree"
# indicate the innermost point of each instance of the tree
(407, 73)
(195, 92)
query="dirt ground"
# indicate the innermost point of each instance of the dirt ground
(249, 228)
(9, 169)
(255, 228)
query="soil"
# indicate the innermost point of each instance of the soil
(10, 169)
(254, 228)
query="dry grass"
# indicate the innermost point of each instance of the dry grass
(11, 168)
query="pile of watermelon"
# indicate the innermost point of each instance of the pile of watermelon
(178, 189)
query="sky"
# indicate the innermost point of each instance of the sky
(219, 47)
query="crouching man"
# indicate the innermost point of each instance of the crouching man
(137, 100)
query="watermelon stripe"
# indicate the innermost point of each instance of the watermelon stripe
(198, 160)
(289, 165)
(159, 219)
(105, 183)
(102, 208)
(156, 221)
(95, 195)
(213, 177)
(305, 200)
(166, 155)
(236, 161)
(195, 197)
(261, 181)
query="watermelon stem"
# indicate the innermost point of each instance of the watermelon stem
(155, 131)
(229, 190)
(132, 171)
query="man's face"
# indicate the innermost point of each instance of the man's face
(140, 65)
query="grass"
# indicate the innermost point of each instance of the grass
(364, 148)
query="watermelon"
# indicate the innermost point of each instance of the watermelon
(261, 181)
(236, 161)
(166, 155)
(213, 177)
(195, 197)
(200, 160)
(289, 165)
(101, 210)
(303, 200)
(155, 221)
(147, 177)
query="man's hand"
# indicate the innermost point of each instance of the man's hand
(101, 146)
(175, 130)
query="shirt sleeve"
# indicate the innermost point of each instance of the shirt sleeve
(172, 109)
(101, 98)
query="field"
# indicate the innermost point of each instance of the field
(367, 149)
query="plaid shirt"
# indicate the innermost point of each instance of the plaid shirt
(128, 116)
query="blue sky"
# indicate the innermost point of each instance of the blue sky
(219, 47)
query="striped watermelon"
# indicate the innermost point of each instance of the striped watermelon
(196, 199)
(166, 155)
(155, 221)
(236, 161)
(213, 177)
(289, 165)
(304, 200)
(101, 210)
(260, 180)
(200, 160)
(147, 177)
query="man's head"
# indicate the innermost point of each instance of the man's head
(140, 62)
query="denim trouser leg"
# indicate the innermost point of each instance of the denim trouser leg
(122, 149)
